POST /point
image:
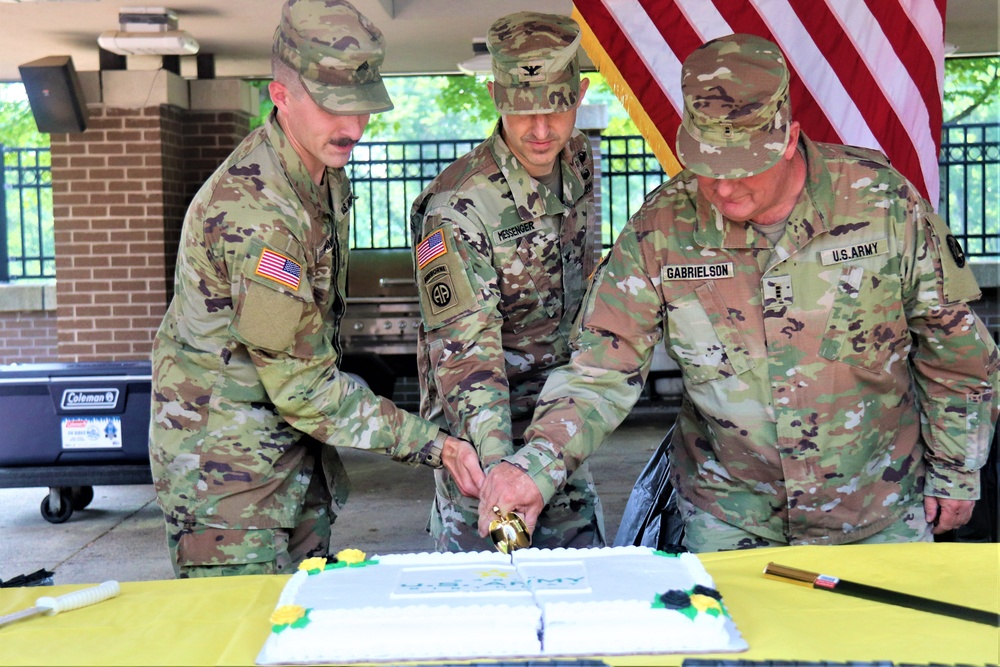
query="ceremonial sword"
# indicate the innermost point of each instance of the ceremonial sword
(828, 583)
(52, 606)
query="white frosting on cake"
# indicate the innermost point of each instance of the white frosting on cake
(600, 601)
(490, 605)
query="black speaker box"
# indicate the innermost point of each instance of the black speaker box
(54, 94)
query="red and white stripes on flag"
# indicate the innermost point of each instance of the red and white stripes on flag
(865, 73)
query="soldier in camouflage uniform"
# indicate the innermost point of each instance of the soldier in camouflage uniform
(838, 388)
(505, 241)
(247, 397)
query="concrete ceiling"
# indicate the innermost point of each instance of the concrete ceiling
(424, 36)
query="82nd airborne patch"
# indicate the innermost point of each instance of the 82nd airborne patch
(440, 289)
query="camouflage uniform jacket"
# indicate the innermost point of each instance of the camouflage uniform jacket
(514, 266)
(245, 361)
(830, 382)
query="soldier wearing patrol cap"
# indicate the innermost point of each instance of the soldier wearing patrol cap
(505, 241)
(837, 386)
(247, 396)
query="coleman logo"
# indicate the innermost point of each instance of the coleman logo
(89, 399)
(857, 251)
(697, 272)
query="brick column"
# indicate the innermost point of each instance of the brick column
(27, 322)
(119, 193)
(108, 189)
(209, 137)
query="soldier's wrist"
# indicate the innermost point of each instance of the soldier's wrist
(431, 456)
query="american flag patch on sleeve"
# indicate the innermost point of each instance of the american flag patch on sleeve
(431, 248)
(279, 268)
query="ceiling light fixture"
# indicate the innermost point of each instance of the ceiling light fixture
(480, 62)
(148, 31)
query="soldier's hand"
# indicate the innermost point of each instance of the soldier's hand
(947, 513)
(462, 461)
(512, 490)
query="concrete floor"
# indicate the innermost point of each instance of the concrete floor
(120, 534)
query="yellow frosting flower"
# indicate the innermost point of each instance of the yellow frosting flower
(287, 614)
(310, 564)
(704, 602)
(350, 556)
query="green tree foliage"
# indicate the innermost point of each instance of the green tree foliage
(265, 102)
(434, 107)
(17, 125)
(971, 201)
(972, 90)
(459, 106)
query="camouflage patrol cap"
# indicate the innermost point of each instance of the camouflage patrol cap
(736, 108)
(536, 67)
(337, 52)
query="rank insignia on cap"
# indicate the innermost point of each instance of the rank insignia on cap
(275, 266)
(432, 247)
(532, 71)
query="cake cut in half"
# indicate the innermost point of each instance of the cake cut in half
(487, 605)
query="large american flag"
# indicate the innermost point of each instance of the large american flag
(866, 73)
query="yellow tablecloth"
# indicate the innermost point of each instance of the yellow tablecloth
(224, 621)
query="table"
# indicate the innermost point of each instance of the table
(224, 621)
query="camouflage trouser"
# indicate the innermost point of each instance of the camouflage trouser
(203, 551)
(573, 518)
(704, 532)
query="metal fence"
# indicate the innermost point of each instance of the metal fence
(970, 186)
(386, 176)
(27, 238)
(629, 171)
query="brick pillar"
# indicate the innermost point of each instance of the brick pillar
(27, 322)
(108, 188)
(209, 137)
(119, 193)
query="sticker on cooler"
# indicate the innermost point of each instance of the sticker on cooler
(92, 433)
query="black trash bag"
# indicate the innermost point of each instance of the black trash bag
(651, 517)
(38, 578)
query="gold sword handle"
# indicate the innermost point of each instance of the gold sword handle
(790, 574)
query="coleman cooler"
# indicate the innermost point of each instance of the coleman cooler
(70, 426)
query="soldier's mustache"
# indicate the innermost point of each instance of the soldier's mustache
(343, 142)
